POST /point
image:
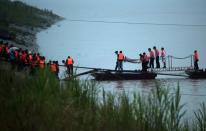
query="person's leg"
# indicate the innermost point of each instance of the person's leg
(120, 65)
(195, 65)
(164, 62)
(157, 62)
(152, 62)
(68, 69)
(71, 69)
(116, 67)
(143, 66)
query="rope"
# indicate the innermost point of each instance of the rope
(136, 23)
(180, 57)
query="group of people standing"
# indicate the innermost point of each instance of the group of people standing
(154, 55)
(146, 60)
(23, 58)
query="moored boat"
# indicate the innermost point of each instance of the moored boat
(196, 74)
(123, 75)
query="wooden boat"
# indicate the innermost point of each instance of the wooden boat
(123, 75)
(196, 74)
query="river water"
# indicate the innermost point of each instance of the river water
(92, 31)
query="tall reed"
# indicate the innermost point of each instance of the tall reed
(40, 102)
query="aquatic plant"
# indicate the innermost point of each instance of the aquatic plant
(42, 102)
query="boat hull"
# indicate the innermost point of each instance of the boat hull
(115, 75)
(200, 74)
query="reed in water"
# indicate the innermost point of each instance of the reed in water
(41, 103)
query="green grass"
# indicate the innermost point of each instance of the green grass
(41, 103)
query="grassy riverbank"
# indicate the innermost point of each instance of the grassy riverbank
(41, 103)
(20, 22)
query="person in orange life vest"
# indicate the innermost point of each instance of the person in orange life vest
(117, 62)
(145, 61)
(38, 57)
(30, 58)
(151, 56)
(53, 67)
(196, 59)
(23, 58)
(34, 60)
(157, 57)
(26, 61)
(42, 62)
(120, 60)
(69, 64)
(163, 56)
(16, 55)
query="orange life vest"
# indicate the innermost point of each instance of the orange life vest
(163, 54)
(53, 67)
(38, 58)
(41, 64)
(16, 54)
(70, 61)
(151, 54)
(120, 56)
(156, 52)
(196, 56)
(7, 49)
(30, 58)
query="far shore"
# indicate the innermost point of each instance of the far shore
(23, 23)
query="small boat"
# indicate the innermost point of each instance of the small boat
(123, 75)
(196, 74)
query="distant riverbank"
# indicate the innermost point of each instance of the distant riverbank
(19, 23)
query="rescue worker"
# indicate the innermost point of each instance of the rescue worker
(23, 59)
(42, 62)
(196, 59)
(30, 58)
(141, 57)
(38, 57)
(145, 61)
(53, 67)
(120, 60)
(117, 62)
(156, 57)
(151, 56)
(163, 56)
(69, 64)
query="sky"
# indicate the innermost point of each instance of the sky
(124, 8)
